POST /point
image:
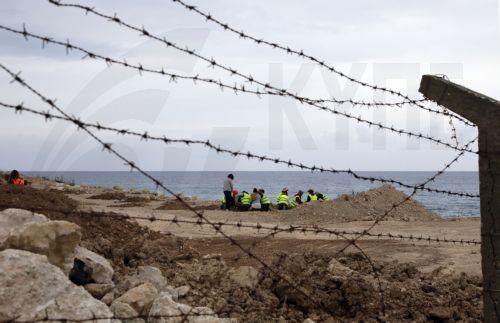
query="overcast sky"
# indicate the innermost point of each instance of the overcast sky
(388, 42)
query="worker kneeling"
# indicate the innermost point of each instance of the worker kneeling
(265, 202)
(297, 199)
(244, 202)
(311, 196)
(283, 200)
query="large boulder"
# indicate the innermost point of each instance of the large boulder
(15, 218)
(31, 288)
(101, 270)
(139, 298)
(55, 239)
(245, 276)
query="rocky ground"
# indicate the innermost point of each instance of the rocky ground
(73, 255)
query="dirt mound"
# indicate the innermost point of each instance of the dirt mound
(363, 206)
(34, 200)
(109, 196)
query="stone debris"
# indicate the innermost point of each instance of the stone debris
(55, 239)
(98, 290)
(15, 218)
(102, 272)
(32, 288)
(139, 298)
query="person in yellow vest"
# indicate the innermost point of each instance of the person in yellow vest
(283, 200)
(244, 201)
(321, 196)
(265, 202)
(311, 196)
(15, 179)
(297, 199)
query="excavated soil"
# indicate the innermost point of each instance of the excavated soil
(363, 206)
(295, 286)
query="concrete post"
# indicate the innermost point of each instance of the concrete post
(485, 113)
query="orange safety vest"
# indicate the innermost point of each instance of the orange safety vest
(18, 181)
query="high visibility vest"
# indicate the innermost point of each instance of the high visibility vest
(18, 181)
(264, 200)
(313, 197)
(245, 199)
(322, 196)
(295, 200)
(283, 199)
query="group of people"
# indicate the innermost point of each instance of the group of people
(258, 200)
(14, 178)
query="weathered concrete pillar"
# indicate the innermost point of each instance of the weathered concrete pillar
(485, 113)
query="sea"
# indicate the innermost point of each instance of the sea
(208, 185)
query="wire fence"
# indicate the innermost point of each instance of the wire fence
(263, 230)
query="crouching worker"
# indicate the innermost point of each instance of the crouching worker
(311, 196)
(283, 200)
(265, 202)
(297, 199)
(322, 197)
(15, 179)
(244, 202)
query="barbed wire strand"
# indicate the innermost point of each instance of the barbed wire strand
(237, 89)
(18, 108)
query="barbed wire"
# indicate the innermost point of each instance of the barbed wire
(237, 89)
(159, 184)
(213, 63)
(19, 108)
(396, 205)
(288, 50)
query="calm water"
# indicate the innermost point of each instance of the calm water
(208, 185)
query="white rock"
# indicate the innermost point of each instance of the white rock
(31, 288)
(55, 239)
(15, 218)
(102, 272)
(139, 298)
(337, 269)
(245, 276)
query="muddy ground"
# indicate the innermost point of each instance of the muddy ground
(402, 280)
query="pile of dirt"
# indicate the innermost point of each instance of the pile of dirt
(34, 200)
(363, 206)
